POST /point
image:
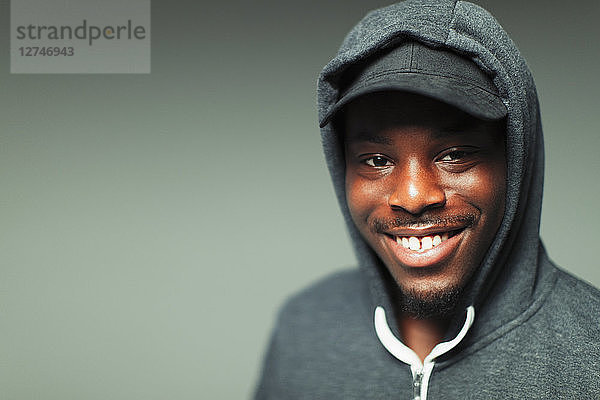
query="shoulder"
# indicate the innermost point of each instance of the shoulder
(571, 311)
(574, 297)
(573, 287)
(339, 296)
(566, 332)
(326, 317)
(331, 291)
(325, 327)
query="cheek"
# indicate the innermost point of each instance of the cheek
(485, 188)
(362, 197)
(494, 180)
(355, 197)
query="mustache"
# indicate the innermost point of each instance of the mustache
(383, 225)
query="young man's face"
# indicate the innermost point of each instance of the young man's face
(425, 184)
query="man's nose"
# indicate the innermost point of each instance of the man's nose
(416, 188)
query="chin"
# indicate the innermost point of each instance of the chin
(428, 302)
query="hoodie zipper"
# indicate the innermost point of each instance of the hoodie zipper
(421, 374)
(417, 381)
(421, 371)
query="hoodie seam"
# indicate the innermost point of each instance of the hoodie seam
(503, 330)
(382, 42)
(451, 23)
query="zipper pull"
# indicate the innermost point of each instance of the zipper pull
(417, 381)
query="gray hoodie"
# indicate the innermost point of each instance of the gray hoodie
(533, 331)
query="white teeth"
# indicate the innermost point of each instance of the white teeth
(413, 243)
(423, 243)
(405, 243)
(427, 243)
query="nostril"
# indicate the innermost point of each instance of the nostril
(416, 201)
(415, 187)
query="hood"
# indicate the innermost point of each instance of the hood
(505, 283)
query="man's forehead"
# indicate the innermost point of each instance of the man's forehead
(388, 137)
(369, 137)
(372, 119)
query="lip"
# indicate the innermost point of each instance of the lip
(428, 258)
(429, 230)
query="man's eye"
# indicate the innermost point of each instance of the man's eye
(455, 155)
(377, 161)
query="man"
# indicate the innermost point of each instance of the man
(431, 129)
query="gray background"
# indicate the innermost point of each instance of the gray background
(150, 225)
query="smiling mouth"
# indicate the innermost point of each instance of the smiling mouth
(424, 247)
(421, 243)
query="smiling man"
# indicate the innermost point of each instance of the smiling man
(431, 129)
(425, 186)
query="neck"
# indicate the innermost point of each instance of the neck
(422, 335)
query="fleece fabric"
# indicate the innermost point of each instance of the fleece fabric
(536, 333)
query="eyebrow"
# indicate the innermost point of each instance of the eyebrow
(371, 138)
(386, 140)
(459, 127)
